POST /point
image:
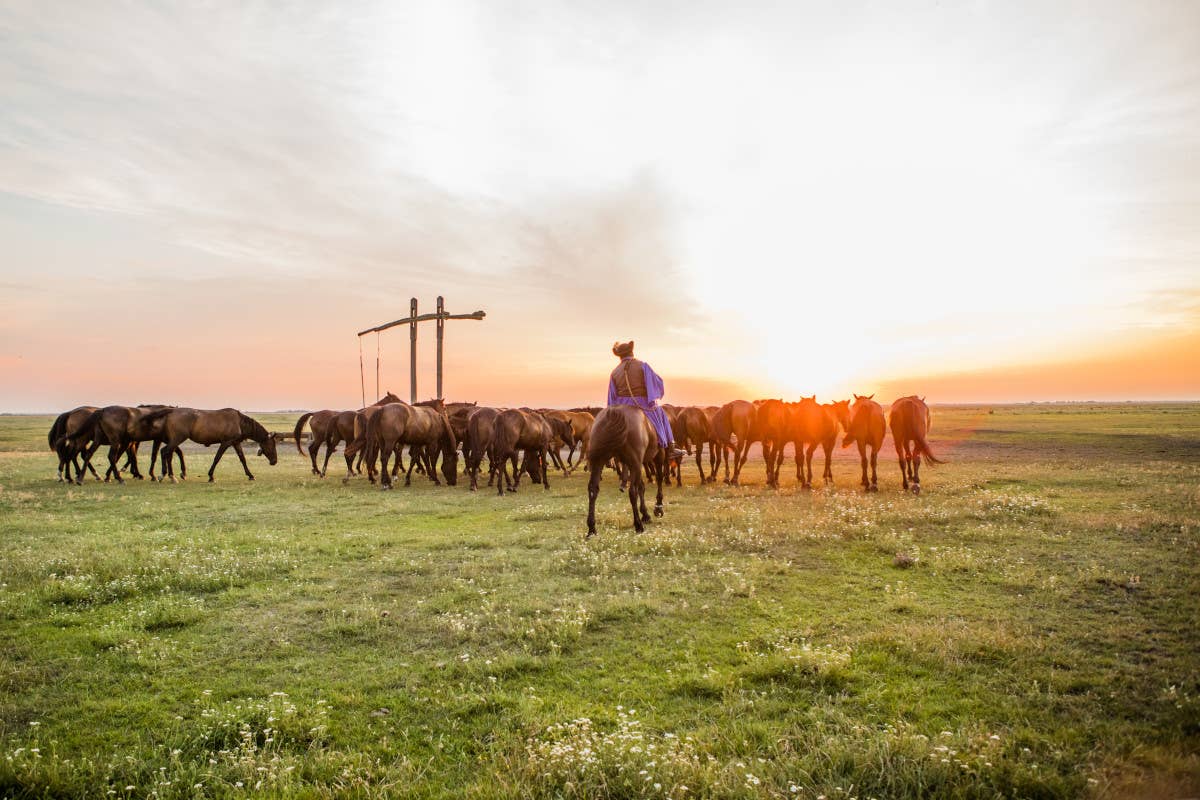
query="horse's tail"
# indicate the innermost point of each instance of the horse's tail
(57, 430)
(300, 429)
(504, 438)
(923, 449)
(369, 445)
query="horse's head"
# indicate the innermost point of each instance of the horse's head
(267, 448)
(862, 398)
(841, 412)
(450, 465)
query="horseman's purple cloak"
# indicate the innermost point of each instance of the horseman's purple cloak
(654, 391)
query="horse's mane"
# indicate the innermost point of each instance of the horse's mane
(252, 427)
(154, 416)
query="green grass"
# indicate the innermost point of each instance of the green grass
(295, 637)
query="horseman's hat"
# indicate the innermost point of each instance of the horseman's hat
(623, 349)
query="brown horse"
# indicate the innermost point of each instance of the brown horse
(330, 428)
(866, 428)
(625, 435)
(226, 427)
(577, 430)
(123, 428)
(69, 450)
(423, 428)
(909, 420)
(478, 442)
(815, 425)
(515, 430)
(716, 450)
(694, 431)
(736, 428)
(774, 428)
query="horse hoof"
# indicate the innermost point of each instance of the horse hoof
(658, 511)
(916, 489)
(249, 477)
(210, 479)
(640, 528)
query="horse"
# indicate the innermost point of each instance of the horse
(123, 428)
(577, 430)
(478, 441)
(774, 429)
(693, 428)
(910, 421)
(562, 434)
(330, 428)
(68, 450)
(515, 430)
(813, 425)
(422, 427)
(866, 428)
(226, 427)
(716, 450)
(624, 434)
(735, 428)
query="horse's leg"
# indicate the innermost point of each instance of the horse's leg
(635, 478)
(220, 452)
(131, 461)
(862, 457)
(385, 475)
(827, 473)
(593, 493)
(916, 473)
(432, 456)
(658, 474)
(329, 448)
(114, 458)
(874, 474)
(237, 448)
(501, 467)
(903, 463)
(182, 463)
(88, 451)
(545, 470)
(700, 463)
(314, 449)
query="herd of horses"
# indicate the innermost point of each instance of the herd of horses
(531, 441)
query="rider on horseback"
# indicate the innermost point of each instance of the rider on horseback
(634, 383)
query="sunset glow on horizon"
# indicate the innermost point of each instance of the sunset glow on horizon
(985, 202)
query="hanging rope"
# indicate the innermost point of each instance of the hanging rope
(377, 394)
(362, 377)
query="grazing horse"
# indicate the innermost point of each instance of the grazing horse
(422, 427)
(866, 428)
(577, 430)
(774, 429)
(909, 420)
(625, 435)
(226, 427)
(813, 425)
(736, 428)
(515, 430)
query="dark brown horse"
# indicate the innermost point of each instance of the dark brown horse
(716, 450)
(515, 430)
(736, 428)
(625, 435)
(330, 428)
(909, 420)
(421, 427)
(69, 450)
(866, 428)
(123, 428)
(478, 442)
(693, 430)
(226, 427)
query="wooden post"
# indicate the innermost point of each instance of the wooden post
(441, 331)
(412, 348)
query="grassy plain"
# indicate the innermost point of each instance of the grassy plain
(1028, 627)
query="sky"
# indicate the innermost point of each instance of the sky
(202, 204)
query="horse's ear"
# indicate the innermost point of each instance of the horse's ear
(871, 396)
